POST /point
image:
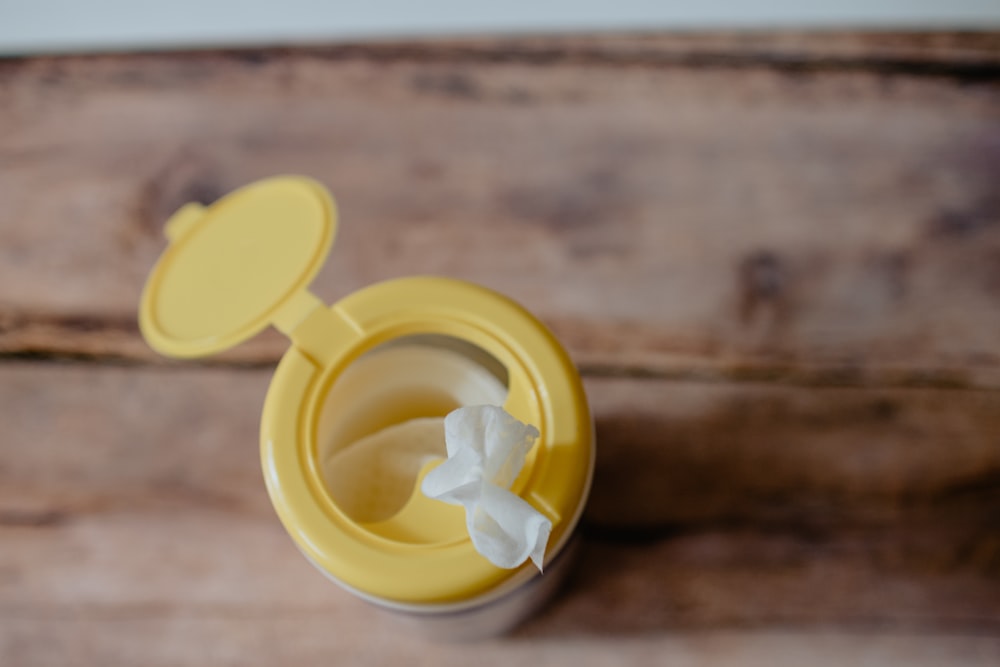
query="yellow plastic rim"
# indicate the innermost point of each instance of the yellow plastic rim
(545, 390)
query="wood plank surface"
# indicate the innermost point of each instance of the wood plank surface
(133, 517)
(775, 257)
(673, 455)
(725, 218)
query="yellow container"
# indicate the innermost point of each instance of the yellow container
(245, 262)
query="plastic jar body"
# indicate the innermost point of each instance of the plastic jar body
(399, 386)
(246, 262)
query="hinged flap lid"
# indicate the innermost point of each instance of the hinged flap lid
(231, 266)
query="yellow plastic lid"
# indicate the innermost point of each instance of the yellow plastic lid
(232, 266)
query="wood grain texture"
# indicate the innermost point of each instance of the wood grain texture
(776, 258)
(825, 225)
(138, 490)
(675, 454)
(672, 455)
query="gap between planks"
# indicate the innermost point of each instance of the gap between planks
(778, 374)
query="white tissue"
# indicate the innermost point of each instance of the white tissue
(486, 451)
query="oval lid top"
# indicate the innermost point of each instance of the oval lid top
(231, 266)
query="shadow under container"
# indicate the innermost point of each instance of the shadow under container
(245, 262)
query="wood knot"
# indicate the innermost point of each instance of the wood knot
(763, 283)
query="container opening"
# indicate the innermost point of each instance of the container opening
(382, 419)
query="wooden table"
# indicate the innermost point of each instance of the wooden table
(775, 258)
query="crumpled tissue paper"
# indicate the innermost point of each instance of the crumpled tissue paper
(486, 451)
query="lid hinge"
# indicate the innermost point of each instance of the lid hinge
(295, 310)
(316, 330)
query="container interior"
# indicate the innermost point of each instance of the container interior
(382, 423)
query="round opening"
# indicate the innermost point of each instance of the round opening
(382, 421)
